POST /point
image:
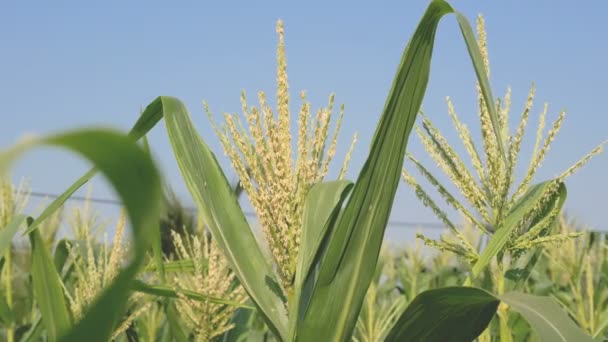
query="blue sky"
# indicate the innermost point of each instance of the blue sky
(71, 64)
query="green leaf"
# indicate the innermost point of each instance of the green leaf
(448, 314)
(322, 206)
(216, 201)
(462, 313)
(548, 320)
(47, 288)
(136, 180)
(348, 265)
(165, 291)
(504, 233)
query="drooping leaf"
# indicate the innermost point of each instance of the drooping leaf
(136, 180)
(549, 321)
(47, 288)
(456, 314)
(223, 215)
(349, 260)
(462, 313)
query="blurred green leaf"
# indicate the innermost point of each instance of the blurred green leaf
(136, 180)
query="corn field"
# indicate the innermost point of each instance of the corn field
(315, 268)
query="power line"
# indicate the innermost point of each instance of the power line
(396, 223)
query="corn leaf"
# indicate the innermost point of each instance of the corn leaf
(549, 321)
(350, 257)
(169, 292)
(462, 313)
(221, 211)
(457, 314)
(47, 289)
(136, 180)
(323, 203)
(243, 321)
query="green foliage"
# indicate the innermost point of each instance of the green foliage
(340, 290)
(136, 180)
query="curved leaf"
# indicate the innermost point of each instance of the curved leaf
(462, 313)
(136, 180)
(348, 265)
(549, 321)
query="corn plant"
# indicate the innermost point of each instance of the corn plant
(325, 248)
(518, 220)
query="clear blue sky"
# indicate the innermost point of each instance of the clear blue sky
(72, 64)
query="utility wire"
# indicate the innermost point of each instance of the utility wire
(397, 223)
